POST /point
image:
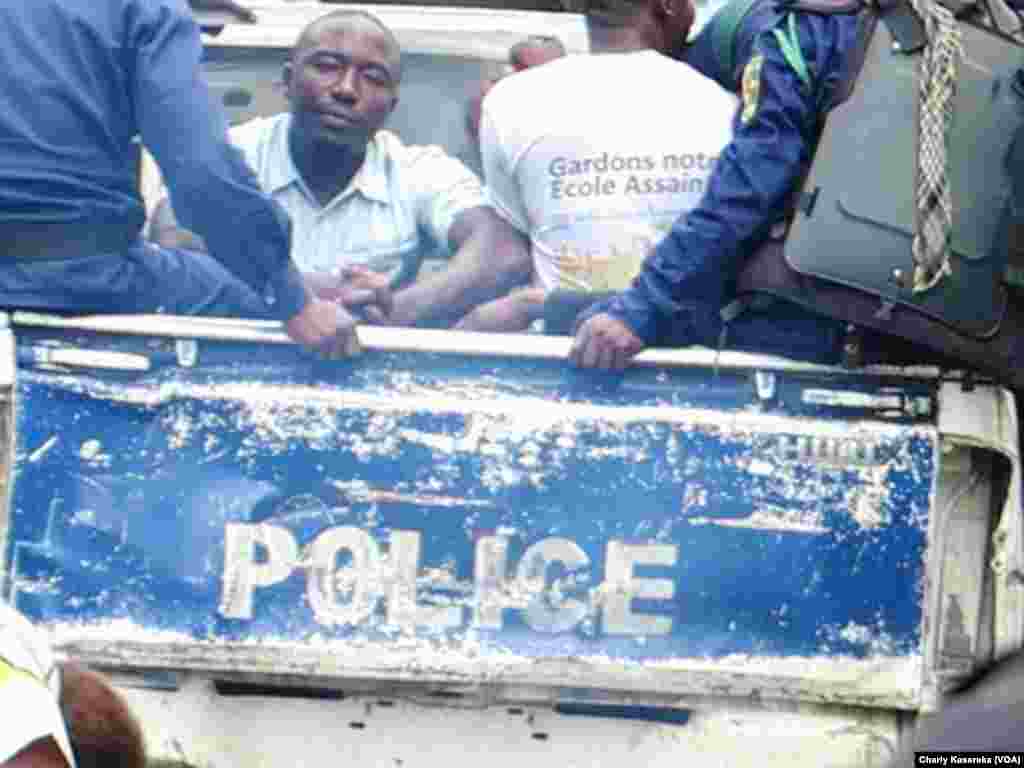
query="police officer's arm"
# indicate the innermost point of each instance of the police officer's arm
(213, 191)
(683, 282)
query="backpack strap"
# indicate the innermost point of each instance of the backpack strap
(789, 44)
(855, 59)
(724, 26)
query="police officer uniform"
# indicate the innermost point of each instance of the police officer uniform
(78, 81)
(787, 64)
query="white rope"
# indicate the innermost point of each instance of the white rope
(936, 89)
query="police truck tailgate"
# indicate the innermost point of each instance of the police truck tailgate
(705, 548)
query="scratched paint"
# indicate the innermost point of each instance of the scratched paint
(470, 520)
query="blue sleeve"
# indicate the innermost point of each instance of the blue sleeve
(686, 279)
(213, 191)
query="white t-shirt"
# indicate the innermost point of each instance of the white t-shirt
(595, 156)
(29, 688)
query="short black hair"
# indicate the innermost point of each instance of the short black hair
(613, 13)
(340, 16)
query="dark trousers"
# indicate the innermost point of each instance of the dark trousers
(144, 278)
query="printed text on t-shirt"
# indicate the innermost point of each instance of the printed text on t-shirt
(607, 174)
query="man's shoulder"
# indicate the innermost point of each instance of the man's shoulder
(689, 83)
(570, 72)
(560, 84)
(654, 62)
(552, 75)
(396, 153)
(524, 99)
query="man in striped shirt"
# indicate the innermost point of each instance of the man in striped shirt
(361, 199)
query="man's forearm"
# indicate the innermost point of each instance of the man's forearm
(442, 298)
(489, 262)
(509, 314)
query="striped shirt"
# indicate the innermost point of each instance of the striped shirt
(403, 199)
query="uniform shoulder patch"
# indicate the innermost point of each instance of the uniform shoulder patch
(751, 87)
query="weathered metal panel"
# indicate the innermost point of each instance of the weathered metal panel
(486, 519)
(198, 726)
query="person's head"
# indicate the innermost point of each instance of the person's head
(534, 51)
(662, 25)
(102, 730)
(342, 79)
(529, 52)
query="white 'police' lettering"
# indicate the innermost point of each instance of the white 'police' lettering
(349, 574)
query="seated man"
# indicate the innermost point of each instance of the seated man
(356, 194)
(590, 162)
(67, 716)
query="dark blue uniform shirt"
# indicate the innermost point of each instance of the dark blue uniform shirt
(688, 278)
(78, 80)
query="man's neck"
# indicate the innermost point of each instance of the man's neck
(327, 169)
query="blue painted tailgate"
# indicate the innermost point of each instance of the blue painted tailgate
(416, 515)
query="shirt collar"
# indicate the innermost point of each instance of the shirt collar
(371, 180)
(280, 170)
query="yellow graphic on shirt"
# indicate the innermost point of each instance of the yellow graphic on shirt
(751, 90)
(609, 269)
(8, 673)
(588, 270)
